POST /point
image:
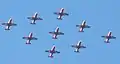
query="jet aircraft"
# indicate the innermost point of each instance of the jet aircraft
(108, 37)
(34, 18)
(61, 13)
(56, 33)
(9, 23)
(29, 38)
(82, 26)
(78, 46)
(52, 51)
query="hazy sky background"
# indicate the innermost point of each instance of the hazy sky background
(101, 15)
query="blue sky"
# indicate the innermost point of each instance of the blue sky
(102, 15)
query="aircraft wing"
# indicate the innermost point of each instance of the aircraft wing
(39, 18)
(60, 33)
(57, 52)
(65, 14)
(113, 37)
(103, 36)
(25, 37)
(4, 23)
(82, 47)
(74, 46)
(47, 50)
(77, 25)
(29, 18)
(34, 38)
(13, 24)
(51, 32)
(86, 26)
(76, 50)
(56, 13)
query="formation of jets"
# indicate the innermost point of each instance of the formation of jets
(57, 32)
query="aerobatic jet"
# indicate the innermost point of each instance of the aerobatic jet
(56, 33)
(29, 38)
(108, 37)
(8, 24)
(34, 18)
(61, 13)
(52, 51)
(78, 46)
(82, 26)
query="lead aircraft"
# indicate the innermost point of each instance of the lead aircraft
(108, 37)
(52, 51)
(56, 32)
(34, 18)
(8, 24)
(78, 46)
(29, 38)
(82, 26)
(61, 13)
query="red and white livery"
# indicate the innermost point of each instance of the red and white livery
(78, 46)
(8, 24)
(52, 51)
(108, 37)
(56, 33)
(82, 26)
(29, 38)
(34, 18)
(61, 13)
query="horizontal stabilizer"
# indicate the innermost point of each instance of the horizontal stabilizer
(54, 38)
(77, 51)
(59, 18)
(107, 41)
(7, 29)
(50, 56)
(33, 23)
(28, 43)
